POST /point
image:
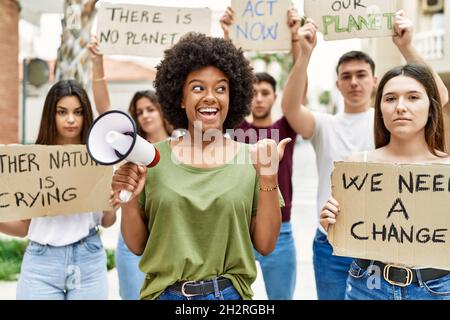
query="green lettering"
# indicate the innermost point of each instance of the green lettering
(390, 19)
(353, 24)
(375, 21)
(363, 22)
(337, 28)
(327, 20)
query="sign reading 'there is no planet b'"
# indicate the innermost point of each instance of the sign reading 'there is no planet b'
(142, 30)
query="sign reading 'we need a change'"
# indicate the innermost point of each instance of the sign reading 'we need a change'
(142, 30)
(261, 25)
(346, 19)
(396, 213)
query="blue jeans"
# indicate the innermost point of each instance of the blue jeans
(229, 293)
(279, 268)
(364, 286)
(131, 277)
(330, 271)
(72, 272)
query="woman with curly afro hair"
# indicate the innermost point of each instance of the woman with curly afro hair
(196, 52)
(197, 215)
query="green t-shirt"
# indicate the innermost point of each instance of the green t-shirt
(199, 223)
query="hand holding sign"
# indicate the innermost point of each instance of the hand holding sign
(329, 213)
(293, 21)
(308, 37)
(226, 21)
(94, 50)
(403, 28)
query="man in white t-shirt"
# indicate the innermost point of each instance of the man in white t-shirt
(335, 137)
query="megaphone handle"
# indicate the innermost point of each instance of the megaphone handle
(125, 195)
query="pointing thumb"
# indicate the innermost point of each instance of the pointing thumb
(281, 146)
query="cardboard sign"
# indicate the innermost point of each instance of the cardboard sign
(42, 180)
(393, 213)
(348, 19)
(142, 30)
(261, 25)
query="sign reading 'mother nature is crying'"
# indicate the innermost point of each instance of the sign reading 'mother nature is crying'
(346, 19)
(143, 30)
(393, 213)
(40, 180)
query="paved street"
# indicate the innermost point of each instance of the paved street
(303, 220)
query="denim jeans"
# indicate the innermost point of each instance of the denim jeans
(72, 272)
(131, 277)
(364, 286)
(229, 293)
(279, 268)
(330, 271)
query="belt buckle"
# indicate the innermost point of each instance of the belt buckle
(409, 275)
(183, 292)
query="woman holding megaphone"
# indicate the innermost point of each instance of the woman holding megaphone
(151, 125)
(196, 216)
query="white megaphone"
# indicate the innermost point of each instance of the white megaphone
(113, 137)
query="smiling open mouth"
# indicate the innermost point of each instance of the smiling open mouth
(208, 112)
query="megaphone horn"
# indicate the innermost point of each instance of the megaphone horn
(113, 137)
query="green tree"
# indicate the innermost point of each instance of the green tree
(325, 97)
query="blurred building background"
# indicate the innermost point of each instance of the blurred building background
(431, 20)
(34, 33)
(31, 29)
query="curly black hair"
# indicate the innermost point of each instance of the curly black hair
(193, 52)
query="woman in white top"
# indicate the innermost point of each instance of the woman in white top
(65, 259)
(408, 129)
